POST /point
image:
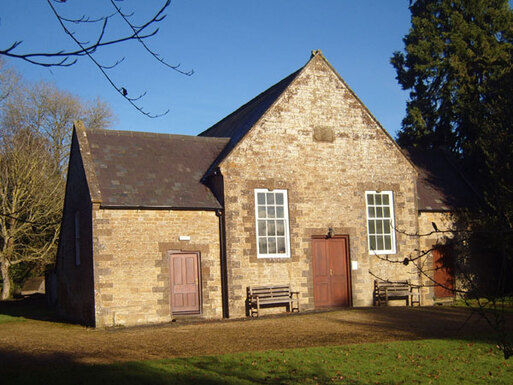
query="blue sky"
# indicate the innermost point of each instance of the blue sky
(237, 48)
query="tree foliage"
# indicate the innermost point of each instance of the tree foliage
(456, 54)
(35, 135)
(458, 67)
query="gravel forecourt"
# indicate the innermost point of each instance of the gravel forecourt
(34, 342)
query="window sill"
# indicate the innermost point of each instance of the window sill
(273, 256)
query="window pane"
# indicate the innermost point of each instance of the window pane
(280, 227)
(380, 243)
(385, 199)
(271, 212)
(378, 199)
(388, 242)
(270, 198)
(262, 228)
(271, 245)
(261, 212)
(372, 240)
(386, 212)
(370, 199)
(386, 227)
(262, 245)
(261, 198)
(372, 212)
(279, 198)
(281, 245)
(271, 228)
(379, 227)
(280, 212)
(379, 212)
(372, 227)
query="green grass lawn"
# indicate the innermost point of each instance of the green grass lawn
(506, 302)
(414, 362)
(8, 318)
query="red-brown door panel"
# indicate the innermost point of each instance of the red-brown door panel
(184, 283)
(330, 259)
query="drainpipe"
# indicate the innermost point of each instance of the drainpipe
(222, 252)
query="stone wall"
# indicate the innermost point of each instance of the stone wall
(320, 144)
(75, 299)
(131, 263)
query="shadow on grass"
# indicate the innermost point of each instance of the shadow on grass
(263, 369)
(30, 307)
(431, 322)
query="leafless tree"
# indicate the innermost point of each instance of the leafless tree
(45, 109)
(30, 200)
(35, 135)
(8, 81)
(96, 38)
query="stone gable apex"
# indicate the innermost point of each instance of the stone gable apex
(287, 83)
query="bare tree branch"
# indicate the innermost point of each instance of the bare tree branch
(67, 58)
(143, 43)
(89, 52)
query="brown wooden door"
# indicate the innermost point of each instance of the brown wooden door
(443, 273)
(185, 283)
(330, 260)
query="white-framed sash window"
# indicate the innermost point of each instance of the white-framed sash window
(380, 222)
(272, 223)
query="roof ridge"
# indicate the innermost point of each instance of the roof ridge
(253, 100)
(156, 135)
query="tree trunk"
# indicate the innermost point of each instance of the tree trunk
(7, 281)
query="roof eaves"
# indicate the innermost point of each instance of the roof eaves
(158, 207)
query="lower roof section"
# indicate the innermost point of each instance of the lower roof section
(147, 170)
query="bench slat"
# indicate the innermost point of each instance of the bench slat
(385, 291)
(271, 295)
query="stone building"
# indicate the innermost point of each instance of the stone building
(299, 186)
(442, 190)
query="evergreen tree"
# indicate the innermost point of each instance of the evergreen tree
(458, 66)
(457, 53)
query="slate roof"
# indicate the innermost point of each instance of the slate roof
(440, 185)
(138, 169)
(239, 122)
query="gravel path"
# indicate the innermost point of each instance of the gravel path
(32, 343)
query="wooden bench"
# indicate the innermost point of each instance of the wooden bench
(259, 296)
(387, 290)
